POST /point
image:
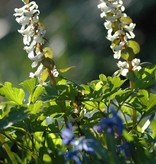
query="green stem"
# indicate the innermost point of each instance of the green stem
(132, 86)
(52, 77)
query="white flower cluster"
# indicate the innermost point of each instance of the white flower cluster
(112, 11)
(33, 35)
(120, 31)
(124, 66)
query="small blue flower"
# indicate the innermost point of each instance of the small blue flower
(83, 144)
(80, 147)
(73, 155)
(67, 135)
(109, 124)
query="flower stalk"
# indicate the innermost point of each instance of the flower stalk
(120, 32)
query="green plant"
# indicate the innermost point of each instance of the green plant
(51, 119)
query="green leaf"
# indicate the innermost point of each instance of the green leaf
(134, 46)
(15, 115)
(143, 78)
(38, 91)
(44, 75)
(66, 69)
(48, 53)
(115, 25)
(127, 136)
(152, 126)
(25, 1)
(98, 85)
(144, 102)
(29, 84)
(13, 94)
(127, 53)
(102, 77)
(116, 82)
(35, 108)
(151, 108)
(125, 20)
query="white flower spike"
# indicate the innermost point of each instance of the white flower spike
(33, 36)
(119, 25)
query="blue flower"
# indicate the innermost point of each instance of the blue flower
(110, 124)
(80, 147)
(67, 135)
(73, 155)
(83, 144)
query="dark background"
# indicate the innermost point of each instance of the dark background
(76, 33)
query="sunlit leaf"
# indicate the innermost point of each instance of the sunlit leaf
(116, 82)
(29, 84)
(153, 125)
(66, 69)
(102, 77)
(125, 20)
(143, 78)
(98, 85)
(152, 102)
(134, 46)
(25, 1)
(35, 108)
(13, 94)
(38, 91)
(44, 75)
(48, 53)
(127, 136)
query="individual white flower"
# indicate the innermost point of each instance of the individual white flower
(108, 25)
(124, 67)
(39, 39)
(37, 73)
(136, 64)
(26, 39)
(27, 10)
(23, 20)
(130, 27)
(36, 58)
(117, 54)
(55, 72)
(130, 35)
(111, 36)
(27, 34)
(29, 30)
(30, 48)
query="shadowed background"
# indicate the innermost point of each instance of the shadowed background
(76, 33)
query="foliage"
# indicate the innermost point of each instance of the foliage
(51, 119)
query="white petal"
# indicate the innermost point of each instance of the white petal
(124, 72)
(135, 62)
(117, 54)
(108, 25)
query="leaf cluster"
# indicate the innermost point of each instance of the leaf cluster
(25, 136)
